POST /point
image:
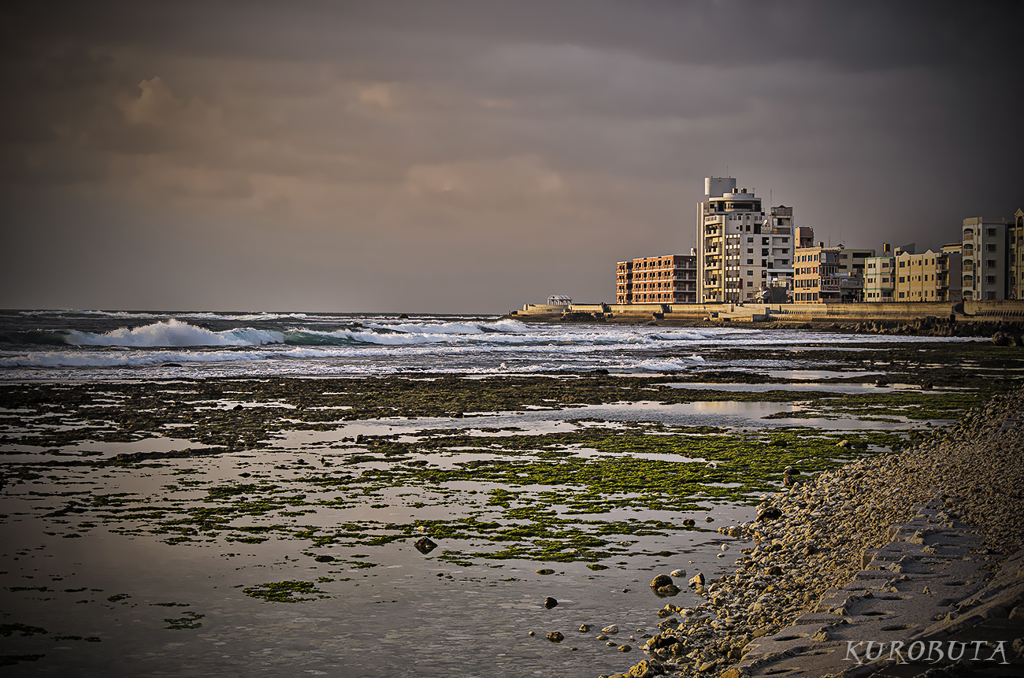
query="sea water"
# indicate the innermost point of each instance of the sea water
(88, 345)
(107, 598)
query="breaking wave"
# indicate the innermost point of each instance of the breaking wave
(174, 333)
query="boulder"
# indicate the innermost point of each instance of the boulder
(555, 637)
(550, 602)
(646, 669)
(424, 545)
(661, 580)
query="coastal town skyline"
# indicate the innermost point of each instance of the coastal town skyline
(469, 157)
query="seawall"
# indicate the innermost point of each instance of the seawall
(1007, 311)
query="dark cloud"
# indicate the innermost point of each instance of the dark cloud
(483, 153)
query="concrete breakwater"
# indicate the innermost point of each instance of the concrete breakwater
(921, 546)
(932, 319)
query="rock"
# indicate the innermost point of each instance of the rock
(325, 559)
(678, 572)
(689, 522)
(709, 519)
(550, 602)
(625, 648)
(610, 629)
(555, 637)
(667, 591)
(775, 570)
(584, 628)
(770, 513)
(424, 545)
(661, 580)
(696, 580)
(646, 669)
(545, 570)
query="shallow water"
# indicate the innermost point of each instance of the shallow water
(446, 613)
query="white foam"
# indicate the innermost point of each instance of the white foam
(52, 359)
(170, 333)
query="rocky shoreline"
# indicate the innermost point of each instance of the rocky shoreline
(816, 536)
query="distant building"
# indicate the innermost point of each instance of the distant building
(852, 261)
(1015, 271)
(985, 255)
(818, 278)
(666, 279)
(739, 251)
(879, 276)
(624, 282)
(929, 276)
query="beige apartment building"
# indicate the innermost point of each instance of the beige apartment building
(928, 276)
(667, 279)
(905, 276)
(818, 277)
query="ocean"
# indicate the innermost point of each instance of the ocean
(91, 345)
(174, 503)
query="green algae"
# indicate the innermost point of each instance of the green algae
(22, 629)
(285, 591)
(188, 621)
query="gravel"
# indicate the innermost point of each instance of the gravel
(824, 525)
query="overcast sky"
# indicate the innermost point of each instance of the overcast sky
(473, 156)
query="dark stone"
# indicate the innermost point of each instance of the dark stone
(424, 545)
(555, 637)
(661, 580)
(667, 591)
(550, 602)
(325, 559)
(770, 513)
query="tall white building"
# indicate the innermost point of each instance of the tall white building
(984, 259)
(739, 250)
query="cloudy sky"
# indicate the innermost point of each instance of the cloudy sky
(470, 156)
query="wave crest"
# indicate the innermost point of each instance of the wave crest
(174, 333)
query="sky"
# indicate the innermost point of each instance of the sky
(471, 156)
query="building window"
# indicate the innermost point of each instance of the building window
(990, 263)
(990, 232)
(990, 248)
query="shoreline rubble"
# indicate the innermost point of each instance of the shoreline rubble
(827, 529)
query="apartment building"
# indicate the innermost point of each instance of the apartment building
(818, 277)
(739, 250)
(666, 279)
(624, 282)
(880, 277)
(929, 276)
(985, 259)
(853, 261)
(1015, 271)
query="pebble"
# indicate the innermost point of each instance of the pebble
(811, 536)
